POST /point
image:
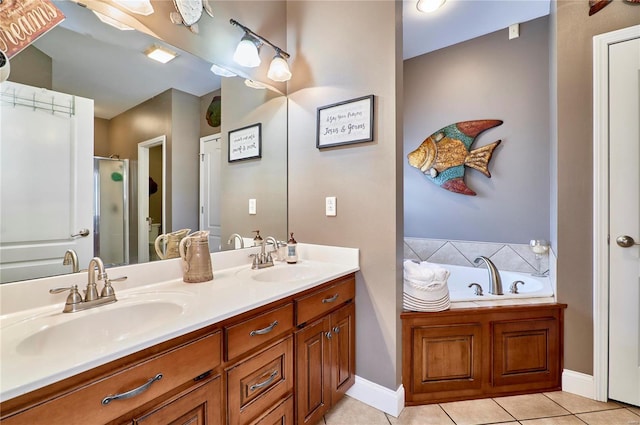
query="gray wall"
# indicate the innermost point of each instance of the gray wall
(263, 179)
(490, 77)
(342, 50)
(573, 236)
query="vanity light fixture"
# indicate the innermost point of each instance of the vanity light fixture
(141, 7)
(160, 54)
(248, 54)
(427, 6)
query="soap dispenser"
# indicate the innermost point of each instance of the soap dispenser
(292, 250)
(257, 239)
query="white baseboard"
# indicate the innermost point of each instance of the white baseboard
(578, 383)
(382, 398)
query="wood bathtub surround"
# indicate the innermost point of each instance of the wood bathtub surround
(221, 374)
(471, 353)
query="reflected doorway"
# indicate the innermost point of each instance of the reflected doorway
(151, 195)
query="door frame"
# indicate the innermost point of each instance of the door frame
(143, 188)
(601, 45)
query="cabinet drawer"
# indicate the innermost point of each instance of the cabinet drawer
(281, 414)
(250, 333)
(318, 303)
(86, 404)
(257, 383)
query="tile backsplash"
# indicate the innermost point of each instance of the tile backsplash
(511, 257)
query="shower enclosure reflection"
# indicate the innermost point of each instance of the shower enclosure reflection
(111, 210)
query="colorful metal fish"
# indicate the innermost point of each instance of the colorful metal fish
(443, 155)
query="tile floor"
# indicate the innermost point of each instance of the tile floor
(555, 408)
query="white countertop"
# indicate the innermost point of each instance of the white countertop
(232, 291)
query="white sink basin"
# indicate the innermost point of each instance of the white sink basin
(96, 328)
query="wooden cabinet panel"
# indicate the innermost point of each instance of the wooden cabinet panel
(249, 334)
(176, 366)
(343, 351)
(313, 374)
(319, 303)
(447, 358)
(526, 353)
(255, 384)
(200, 405)
(282, 414)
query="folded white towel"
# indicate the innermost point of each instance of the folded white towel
(424, 272)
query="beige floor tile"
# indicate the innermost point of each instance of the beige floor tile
(556, 420)
(577, 404)
(530, 406)
(431, 414)
(610, 417)
(635, 410)
(475, 412)
(350, 411)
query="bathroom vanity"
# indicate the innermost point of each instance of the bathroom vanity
(278, 346)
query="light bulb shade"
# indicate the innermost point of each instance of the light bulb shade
(427, 6)
(141, 7)
(247, 53)
(279, 69)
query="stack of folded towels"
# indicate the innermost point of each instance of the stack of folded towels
(425, 287)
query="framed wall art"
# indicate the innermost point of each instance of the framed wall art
(245, 143)
(345, 122)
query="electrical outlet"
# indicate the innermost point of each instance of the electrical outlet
(514, 31)
(330, 206)
(252, 206)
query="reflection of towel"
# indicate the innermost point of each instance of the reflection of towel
(424, 273)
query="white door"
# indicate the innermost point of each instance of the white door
(145, 246)
(51, 154)
(210, 163)
(624, 192)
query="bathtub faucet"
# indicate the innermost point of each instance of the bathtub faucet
(495, 282)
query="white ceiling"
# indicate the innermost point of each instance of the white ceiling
(92, 67)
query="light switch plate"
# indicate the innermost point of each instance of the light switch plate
(330, 206)
(514, 31)
(252, 206)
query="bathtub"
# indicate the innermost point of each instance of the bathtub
(535, 289)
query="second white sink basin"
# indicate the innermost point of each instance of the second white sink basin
(285, 273)
(99, 327)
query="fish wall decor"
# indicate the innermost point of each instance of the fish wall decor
(443, 155)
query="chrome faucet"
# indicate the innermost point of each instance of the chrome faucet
(75, 302)
(495, 282)
(70, 257)
(236, 236)
(276, 245)
(263, 259)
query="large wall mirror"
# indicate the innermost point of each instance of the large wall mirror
(158, 157)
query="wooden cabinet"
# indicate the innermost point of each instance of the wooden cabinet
(481, 352)
(200, 405)
(236, 372)
(325, 355)
(109, 396)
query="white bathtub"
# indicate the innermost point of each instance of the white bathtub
(535, 289)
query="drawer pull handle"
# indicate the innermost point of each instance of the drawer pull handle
(265, 383)
(330, 299)
(132, 393)
(264, 330)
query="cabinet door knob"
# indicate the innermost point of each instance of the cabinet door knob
(329, 335)
(336, 330)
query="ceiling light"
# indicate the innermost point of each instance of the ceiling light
(222, 71)
(279, 68)
(113, 22)
(141, 7)
(248, 52)
(428, 6)
(160, 54)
